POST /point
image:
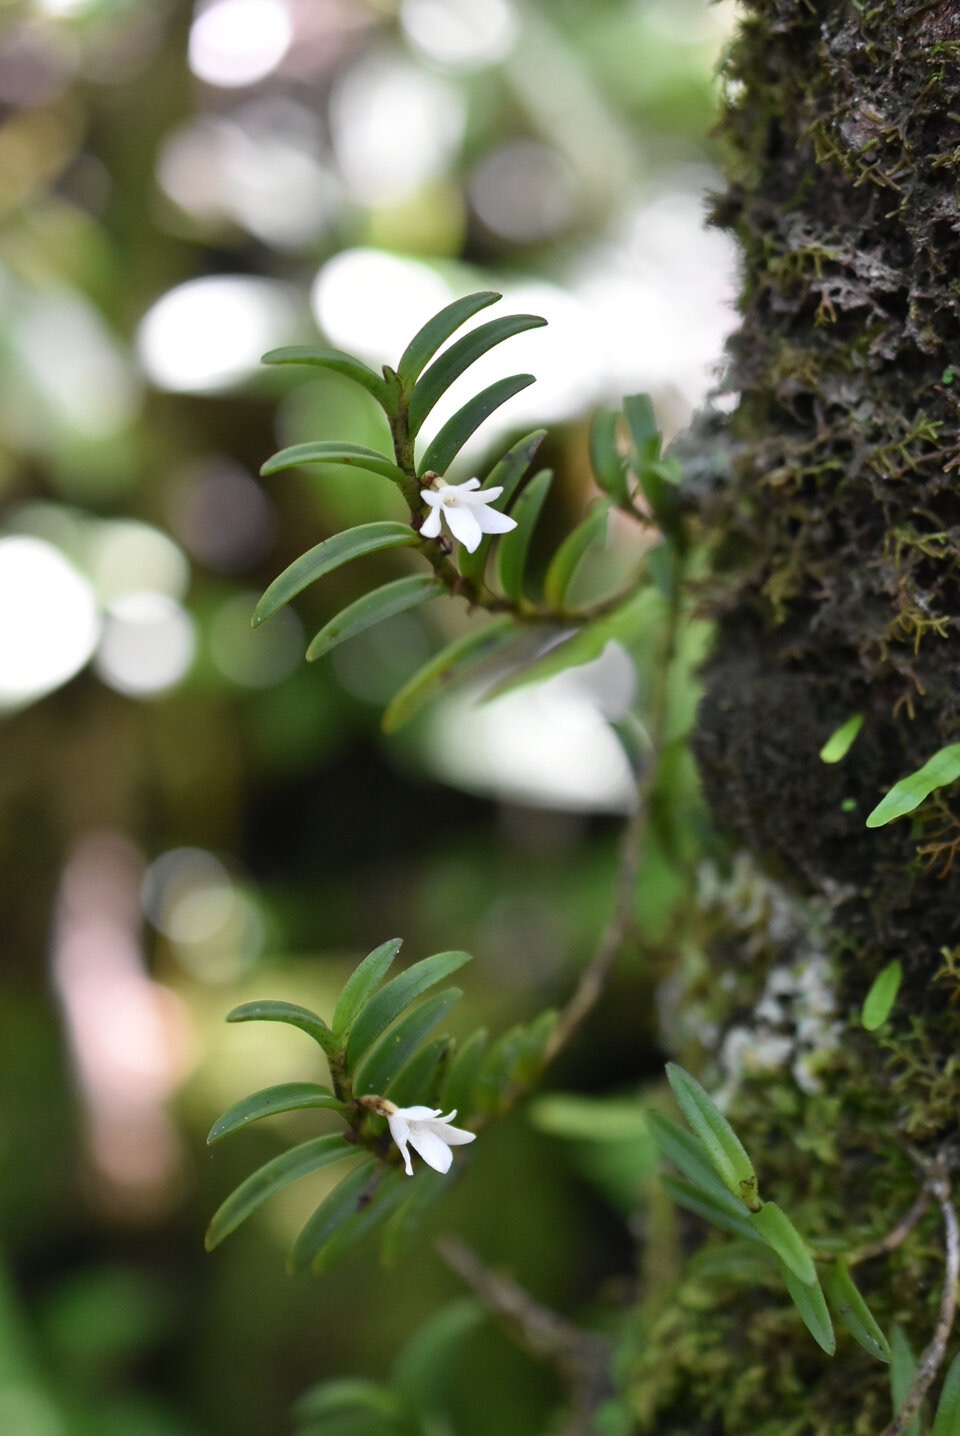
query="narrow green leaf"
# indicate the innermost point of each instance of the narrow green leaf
(810, 1303)
(947, 1420)
(374, 607)
(903, 1369)
(704, 1204)
(272, 1177)
(567, 558)
(909, 793)
(443, 449)
(327, 556)
(364, 1222)
(333, 451)
(457, 1091)
(778, 1231)
(419, 1081)
(362, 983)
(514, 546)
(642, 424)
(424, 1369)
(606, 461)
(458, 358)
(340, 363)
(878, 1003)
(841, 740)
(449, 665)
(850, 1308)
(289, 1012)
(387, 1058)
(287, 1097)
(437, 331)
(581, 646)
(347, 1198)
(505, 474)
(381, 1010)
(349, 1394)
(682, 1149)
(720, 1142)
(403, 1225)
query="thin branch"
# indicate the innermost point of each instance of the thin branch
(897, 1235)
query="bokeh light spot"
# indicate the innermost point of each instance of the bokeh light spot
(238, 42)
(147, 645)
(209, 334)
(50, 621)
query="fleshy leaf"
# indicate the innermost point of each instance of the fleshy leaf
(444, 448)
(449, 665)
(720, 1142)
(947, 1420)
(374, 607)
(686, 1153)
(704, 1204)
(340, 363)
(850, 1308)
(347, 1395)
(387, 1058)
(272, 1177)
(878, 1003)
(381, 1010)
(332, 451)
(903, 1369)
(327, 556)
(606, 460)
(287, 1097)
(812, 1306)
(346, 1199)
(458, 1086)
(841, 740)
(778, 1231)
(362, 983)
(364, 1221)
(437, 331)
(424, 1370)
(505, 474)
(567, 558)
(404, 1224)
(289, 1012)
(642, 424)
(514, 546)
(458, 358)
(909, 793)
(420, 1078)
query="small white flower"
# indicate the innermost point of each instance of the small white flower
(427, 1132)
(466, 510)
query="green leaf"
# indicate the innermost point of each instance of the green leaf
(947, 1420)
(567, 558)
(287, 1097)
(903, 1369)
(704, 1204)
(513, 548)
(289, 1012)
(505, 474)
(272, 1177)
(437, 331)
(327, 556)
(444, 448)
(457, 1091)
(605, 458)
(333, 451)
(419, 1080)
(850, 1308)
(682, 1149)
(347, 1198)
(362, 983)
(583, 645)
(449, 665)
(381, 1010)
(778, 1231)
(364, 1222)
(340, 363)
(642, 424)
(403, 1225)
(909, 793)
(424, 1369)
(455, 360)
(810, 1302)
(387, 1058)
(374, 607)
(335, 1398)
(841, 740)
(720, 1142)
(878, 1003)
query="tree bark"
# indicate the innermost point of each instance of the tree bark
(836, 540)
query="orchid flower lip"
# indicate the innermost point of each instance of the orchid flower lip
(426, 1129)
(466, 509)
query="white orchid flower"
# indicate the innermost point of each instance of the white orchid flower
(466, 508)
(427, 1132)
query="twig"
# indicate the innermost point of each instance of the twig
(932, 1359)
(897, 1235)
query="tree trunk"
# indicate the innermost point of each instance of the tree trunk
(836, 536)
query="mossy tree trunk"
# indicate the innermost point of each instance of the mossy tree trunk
(837, 552)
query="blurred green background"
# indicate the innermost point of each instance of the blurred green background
(190, 816)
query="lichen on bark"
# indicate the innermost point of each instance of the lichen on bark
(836, 555)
